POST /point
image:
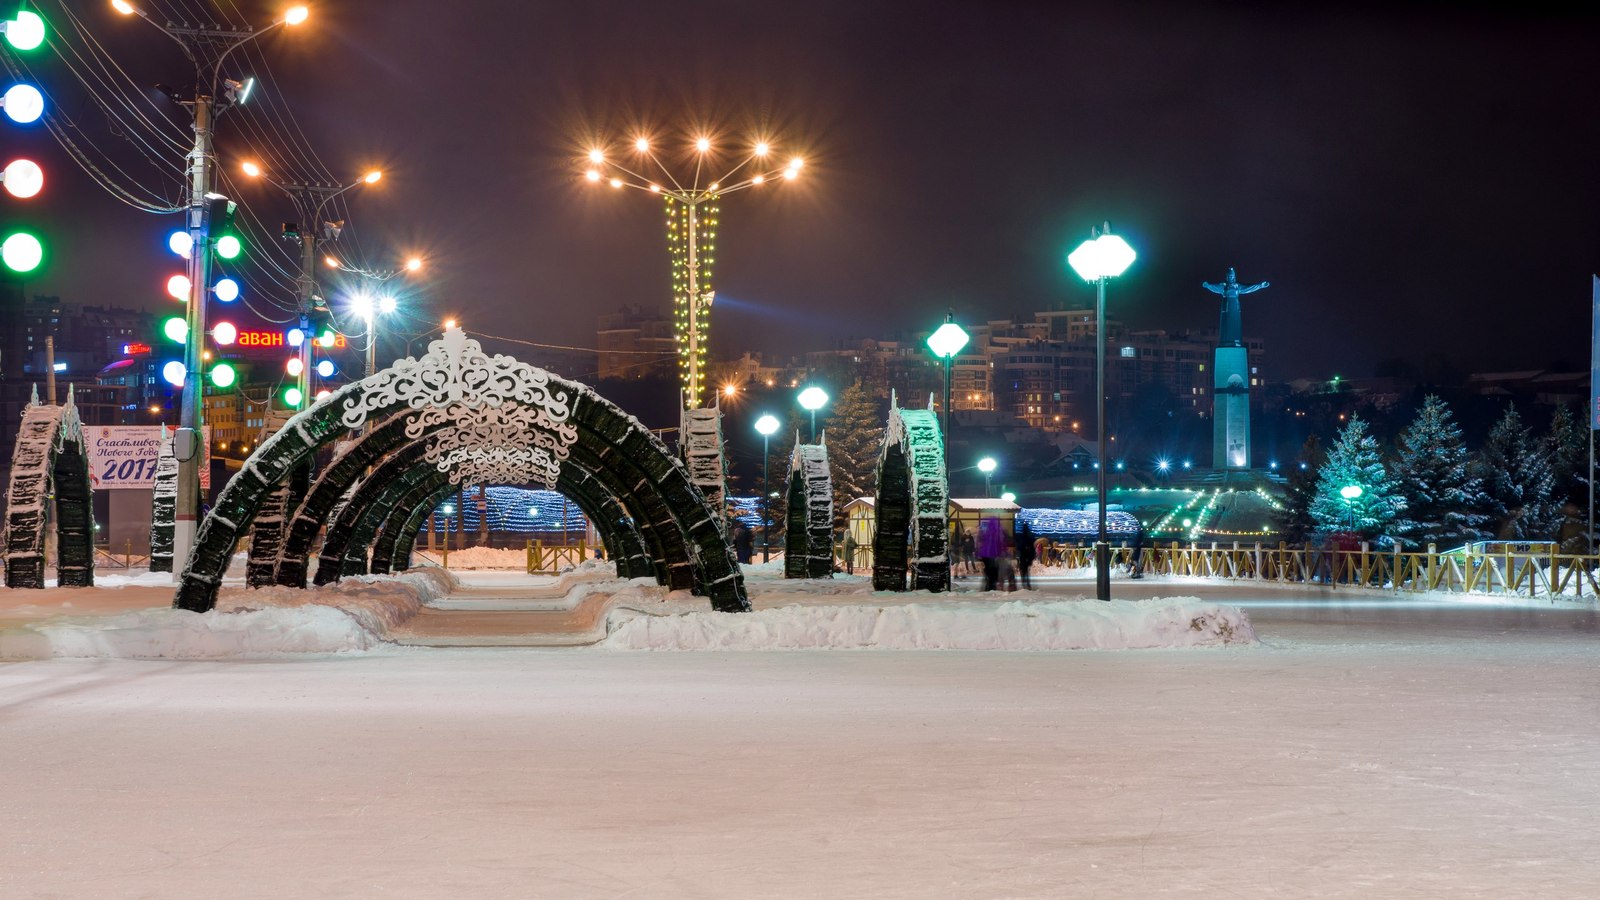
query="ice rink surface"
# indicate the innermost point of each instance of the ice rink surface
(1367, 748)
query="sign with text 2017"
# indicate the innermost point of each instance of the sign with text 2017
(124, 456)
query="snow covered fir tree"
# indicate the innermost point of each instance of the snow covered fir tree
(1445, 502)
(1354, 490)
(1519, 480)
(855, 437)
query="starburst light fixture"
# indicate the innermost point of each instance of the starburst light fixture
(691, 173)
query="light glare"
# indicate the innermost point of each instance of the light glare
(592, 174)
(372, 177)
(178, 287)
(296, 15)
(596, 157)
(251, 169)
(23, 103)
(122, 6)
(702, 144)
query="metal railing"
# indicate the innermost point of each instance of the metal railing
(1523, 574)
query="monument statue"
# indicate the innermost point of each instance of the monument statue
(1228, 334)
(1231, 382)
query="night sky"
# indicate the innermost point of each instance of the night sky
(1413, 179)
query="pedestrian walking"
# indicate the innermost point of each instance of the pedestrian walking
(1027, 553)
(743, 541)
(1136, 564)
(991, 547)
(969, 551)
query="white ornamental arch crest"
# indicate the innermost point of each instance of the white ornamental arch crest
(493, 426)
(456, 371)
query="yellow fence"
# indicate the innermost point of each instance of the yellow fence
(543, 560)
(1524, 574)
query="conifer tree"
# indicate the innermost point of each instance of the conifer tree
(1354, 460)
(1294, 520)
(855, 437)
(1516, 473)
(1444, 496)
(1569, 461)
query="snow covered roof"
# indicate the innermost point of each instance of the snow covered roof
(977, 504)
(861, 501)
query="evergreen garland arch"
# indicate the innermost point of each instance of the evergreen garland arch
(808, 537)
(911, 505)
(49, 465)
(652, 485)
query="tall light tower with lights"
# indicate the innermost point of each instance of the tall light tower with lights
(693, 201)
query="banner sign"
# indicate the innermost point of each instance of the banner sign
(123, 457)
(1594, 357)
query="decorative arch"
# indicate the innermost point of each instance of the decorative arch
(808, 539)
(912, 504)
(337, 497)
(49, 466)
(455, 374)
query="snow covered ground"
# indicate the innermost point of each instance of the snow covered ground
(1367, 746)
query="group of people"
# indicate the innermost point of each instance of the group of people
(1004, 557)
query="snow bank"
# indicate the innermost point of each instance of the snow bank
(377, 602)
(350, 615)
(1057, 625)
(178, 634)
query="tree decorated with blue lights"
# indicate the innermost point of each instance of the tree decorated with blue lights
(1519, 480)
(1444, 496)
(1354, 491)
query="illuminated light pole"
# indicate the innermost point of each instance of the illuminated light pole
(766, 425)
(1351, 493)
(208, 48)
(1102, 257)
(309, 201)
(813, 399)
(693, 206)
(987, 465)
(945, 343)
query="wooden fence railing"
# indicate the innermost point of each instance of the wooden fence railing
(1526, 574)
(549, 560)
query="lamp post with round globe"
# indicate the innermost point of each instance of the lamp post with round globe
(987, 465)
(812, 399)
(766, 426)
(1102, 257)
(946, 342)
(1351, 493)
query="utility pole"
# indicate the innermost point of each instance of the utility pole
(208, 48)
(187, 446)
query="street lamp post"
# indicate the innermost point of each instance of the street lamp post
(1102, 257)
(945, 342)
(766, 425)
(693, 209)
(1351, 493)
(309, 201)
(987, 466)
(200, 45)
(813, 399)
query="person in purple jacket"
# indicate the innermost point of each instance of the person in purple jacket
(991, 547)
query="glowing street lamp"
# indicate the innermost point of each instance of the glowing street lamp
(945, 342)
(693, 195)
(766, 425)
(1351, 493)
(813, 399)
(987, 465)
(1102, 257)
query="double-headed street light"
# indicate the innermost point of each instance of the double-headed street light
(766, 426)
(208, 47)
(1102, 257)
(309, 201)
(813, 399)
